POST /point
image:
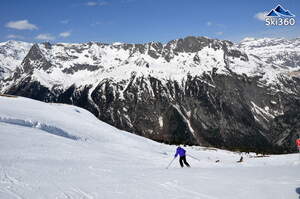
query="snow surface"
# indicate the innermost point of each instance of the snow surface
(62, 151)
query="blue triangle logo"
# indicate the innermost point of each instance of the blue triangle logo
(279, 11)
(273, 14)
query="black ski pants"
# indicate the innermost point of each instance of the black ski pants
(182, 160)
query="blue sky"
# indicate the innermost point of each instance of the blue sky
(139, 21)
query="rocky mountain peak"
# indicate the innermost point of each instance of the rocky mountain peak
(12, 54)
(35, 59)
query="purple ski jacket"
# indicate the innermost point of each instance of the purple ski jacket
(179, 151)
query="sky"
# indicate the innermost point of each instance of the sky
(140, 21)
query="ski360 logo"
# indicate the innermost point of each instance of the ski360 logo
(280, 17)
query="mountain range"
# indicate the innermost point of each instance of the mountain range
(193, 90)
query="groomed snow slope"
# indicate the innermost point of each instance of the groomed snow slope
(61, 151)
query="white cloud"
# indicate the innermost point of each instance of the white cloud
(14, 37)
(219, 33)
(21, 25)
(208, 23)
(65, 34)
(261, 16)
(45, 37)
(91, 3)
(65, 21)
(96, 3)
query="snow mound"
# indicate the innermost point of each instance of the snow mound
(45, 127)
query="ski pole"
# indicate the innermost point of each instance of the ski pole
(193, 157)
(170, 163)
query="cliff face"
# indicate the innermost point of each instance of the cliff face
(194, 90)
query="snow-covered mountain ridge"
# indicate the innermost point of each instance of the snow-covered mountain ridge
(283, 52)
(191, 54)
(65, 64)
(194, 90)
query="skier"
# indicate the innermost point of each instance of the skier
(182, 159)
(241, 160)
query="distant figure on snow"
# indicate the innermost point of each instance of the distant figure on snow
(241, 160)
(182, 159)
